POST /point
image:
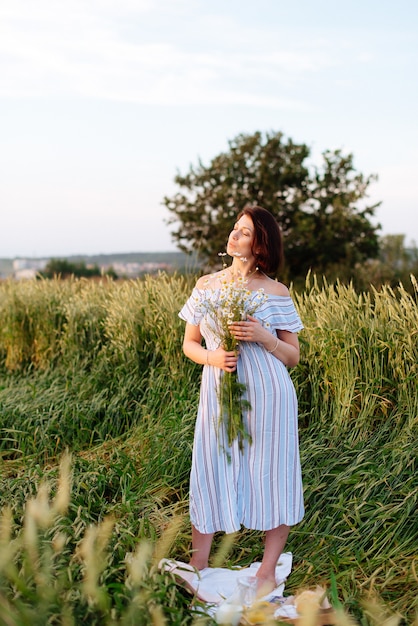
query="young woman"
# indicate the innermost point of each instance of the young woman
(260, 486)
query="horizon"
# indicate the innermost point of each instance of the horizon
(81, 254)
(412, 246)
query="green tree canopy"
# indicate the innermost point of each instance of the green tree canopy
(321, 210)
(63, 268)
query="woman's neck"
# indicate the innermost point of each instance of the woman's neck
(246, 271)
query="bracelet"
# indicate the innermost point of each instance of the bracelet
(275, 346)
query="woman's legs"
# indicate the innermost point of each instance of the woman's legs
(275, 542)
(201, 545)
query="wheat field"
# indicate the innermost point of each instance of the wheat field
(97, 409)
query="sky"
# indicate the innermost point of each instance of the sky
(103, 102)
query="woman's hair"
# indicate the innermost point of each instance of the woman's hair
(267, 246)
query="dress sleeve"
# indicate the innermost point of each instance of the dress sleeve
(191, 311)
(281, 314)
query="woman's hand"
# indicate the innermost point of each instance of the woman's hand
(248, 330)
(226, 361)
(192, 348)
(286, 349)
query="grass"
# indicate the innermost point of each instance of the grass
(97, 369)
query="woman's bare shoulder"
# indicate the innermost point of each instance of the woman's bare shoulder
(275, 288)
(208, 281)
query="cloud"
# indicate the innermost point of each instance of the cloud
(110, 50)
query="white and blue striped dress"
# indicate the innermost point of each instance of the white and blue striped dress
(260, 488)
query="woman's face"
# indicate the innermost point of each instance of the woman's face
(241, 238)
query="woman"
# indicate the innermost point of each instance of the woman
(259, 487)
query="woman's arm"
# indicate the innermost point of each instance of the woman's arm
(193, 349)
(192, 345)
(284, 346)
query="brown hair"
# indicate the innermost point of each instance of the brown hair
(267, 246)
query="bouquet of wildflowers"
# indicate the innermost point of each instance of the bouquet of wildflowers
(234, 302)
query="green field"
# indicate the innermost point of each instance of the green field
(96, 369)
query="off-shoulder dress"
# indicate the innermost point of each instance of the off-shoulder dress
(261, 487)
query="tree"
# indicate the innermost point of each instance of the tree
(61, 268)
(332, 232)
(318, 208)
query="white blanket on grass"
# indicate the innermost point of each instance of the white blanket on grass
(223, 582)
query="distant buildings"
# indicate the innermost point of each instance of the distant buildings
(28, 268)
(134, 269)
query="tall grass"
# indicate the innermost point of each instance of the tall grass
(114, 347)
(98, 368)
(56, 569)
(359, 369)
